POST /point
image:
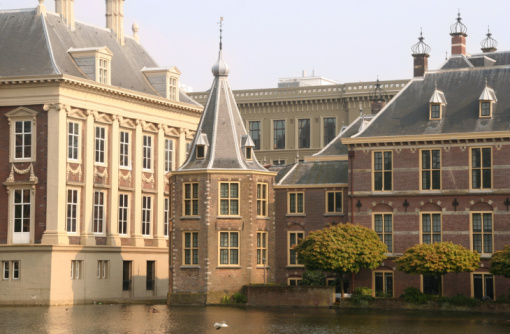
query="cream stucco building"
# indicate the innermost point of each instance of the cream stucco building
(92, 125)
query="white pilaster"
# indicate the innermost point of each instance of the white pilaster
(88, 237)
(113, 230)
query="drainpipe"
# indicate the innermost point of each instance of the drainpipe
(351, 159)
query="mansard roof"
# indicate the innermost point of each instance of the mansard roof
(408, 113)
(316, 173)
(223, 127)
(35, 45)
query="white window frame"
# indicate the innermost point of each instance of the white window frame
(76, 269)
(22, 114)
(166, 217)
(169, 155)
(123, 217)
(73, 205)
(103, 70)
(21, 238)
(147, 152)
(73, 141)
(6, 272)
(125, 145)
(99, 207)
(102, 269)
(146, 215)
(100, 145)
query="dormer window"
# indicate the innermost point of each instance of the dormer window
(200, 145)
(485, 109)
(436, 105)
(164, 80)
(248, 145)
(248, 153)
(94, 63)
(487, 99)
(200, 151)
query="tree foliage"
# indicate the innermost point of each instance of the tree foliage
(313, 278)
(345, 248)
(438, 259)
(500, 262)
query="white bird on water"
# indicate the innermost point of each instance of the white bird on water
(218, 325)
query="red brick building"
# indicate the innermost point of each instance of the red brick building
(431, 166)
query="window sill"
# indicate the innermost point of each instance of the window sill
(262, 267)
(125, 168)
(333, 214)
(295, 215)
(190, 267)
(228, 267)
(229, 217)
(263, 218)
(486, 256)
(291, 266)
(20, 160)
(190, 217)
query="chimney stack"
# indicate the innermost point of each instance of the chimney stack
(115, 18)
(421, 56)
(458, 32)
(66, 10)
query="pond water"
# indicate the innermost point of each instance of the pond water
(140, 319)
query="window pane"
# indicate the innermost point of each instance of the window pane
(425, 159)
(378, 223)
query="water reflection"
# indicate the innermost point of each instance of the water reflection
(139, 319)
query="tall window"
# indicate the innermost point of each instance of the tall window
(262, 199)
(100, 144)
(296, 202)
(126, 275)
(294, 239)
(146, 215)
(485, 109)
(383, 226)
(229, 199)
(22, 208)
(383, 171)
(102, 269)
(431, 284)
(483, 285)
(150, 275)
(104, 70)
(261, 248)
(329, 129)
(5, 270)
(435, 111)
(166, 217)
(255, 133)
(334, 202)
(124, 149)
(279, 134)
(123, 213)
(169, 154)
(190, 248)
(76, 269)
(430, 228)
(23, 139)
(72, 210)
(481, 168)
(430, 169)
(73, 140)
(147, 152)
(482, 232)
(99, 212)
(383, 283)
(304, 133)
(190, 199)
(229, 248)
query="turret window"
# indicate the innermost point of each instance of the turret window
(435, 111)
(200, 151)
(248, 153)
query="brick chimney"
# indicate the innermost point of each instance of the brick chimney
(115, 18)
(66, 10)
(458, 32)
(421, 56)
(377, 98)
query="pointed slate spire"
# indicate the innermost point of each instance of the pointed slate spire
(221, 141)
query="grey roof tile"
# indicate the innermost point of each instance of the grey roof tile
(319, 172)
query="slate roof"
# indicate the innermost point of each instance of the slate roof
(224, 129)
(408, 113)
(317, 172)
(34, 45)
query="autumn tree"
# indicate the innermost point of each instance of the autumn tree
(500, 262)
(342, 249)
(438, 259)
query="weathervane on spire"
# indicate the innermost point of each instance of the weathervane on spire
(221, 30)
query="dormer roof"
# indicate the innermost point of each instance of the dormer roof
(222, 128)
(488, 94)
(437, 97)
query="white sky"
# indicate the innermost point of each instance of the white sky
(264, 40)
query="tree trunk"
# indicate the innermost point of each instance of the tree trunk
(342, 285)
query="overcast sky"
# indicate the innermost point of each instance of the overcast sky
(264, 40)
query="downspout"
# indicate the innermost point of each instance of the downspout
(351, 188)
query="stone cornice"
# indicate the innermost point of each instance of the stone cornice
(64, 79)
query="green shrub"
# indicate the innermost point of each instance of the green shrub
(415, 296)
(313, 278)
(362, 291)
(459, 300)
(361, 299)
(238, 298)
